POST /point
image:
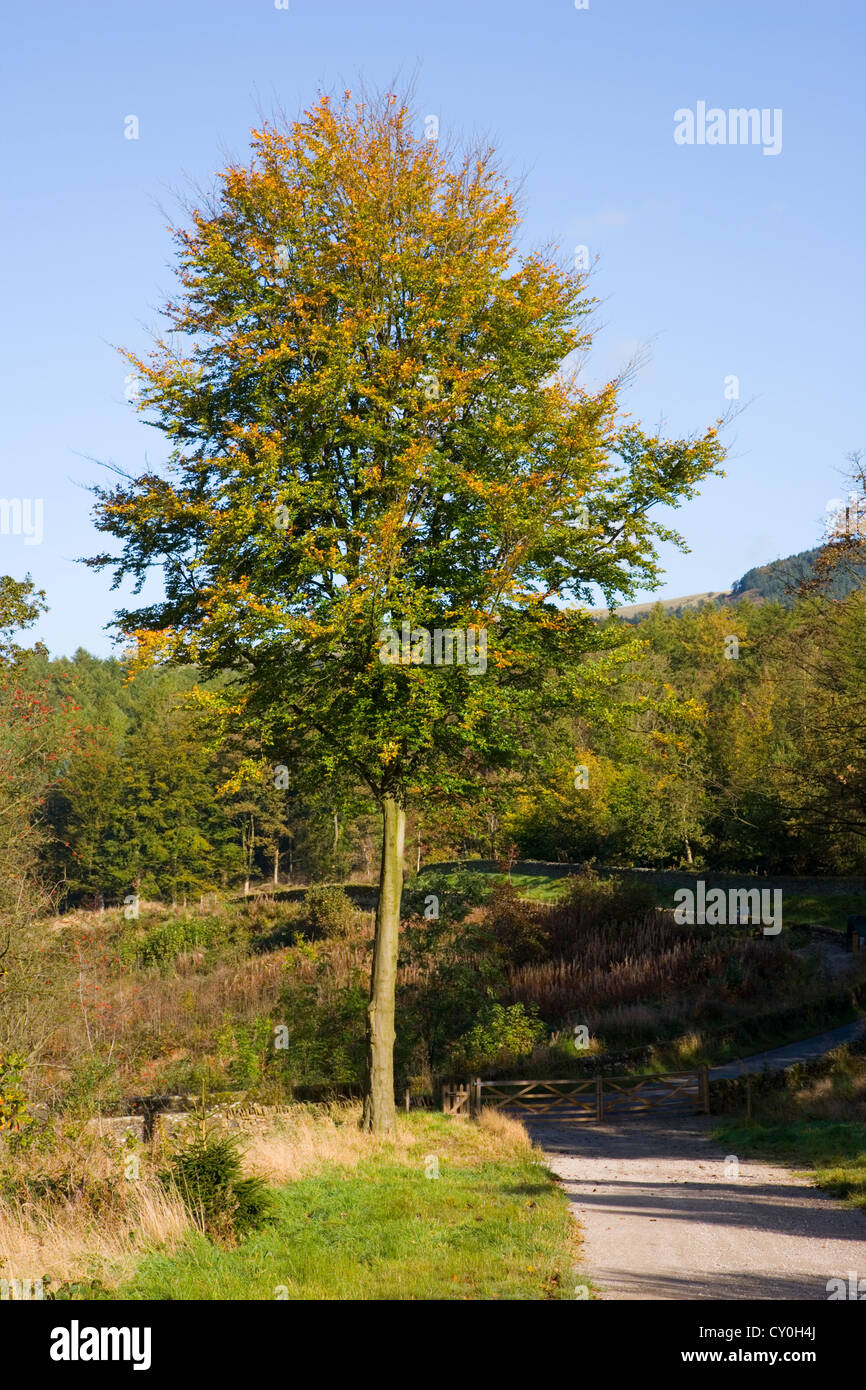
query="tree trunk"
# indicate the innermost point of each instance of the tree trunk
(379, 1109)
(276, 865)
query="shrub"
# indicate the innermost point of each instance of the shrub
(14, 1115)
(500, 1034)
(591, 901)
(92, 1081)
(208, 1175)
(518, 928)
(272, 923)
(245, 1049)
(329, 911)
(326, 1032)
(457, 894)
(163, 943)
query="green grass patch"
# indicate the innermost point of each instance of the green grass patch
(834, 1151)
(539, 887)
(822, 909)
(491, 1225)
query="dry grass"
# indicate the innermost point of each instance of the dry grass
(509, 1134)
(72, 1213)
(36, 1242)
(606, 973)
(301, 1141)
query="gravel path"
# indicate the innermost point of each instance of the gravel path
(666, 1214)
(663, 1217)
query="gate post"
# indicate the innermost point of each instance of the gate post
(705, 1089)
(475, 1102)
(599, 1097)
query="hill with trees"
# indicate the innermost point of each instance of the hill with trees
(779, 581)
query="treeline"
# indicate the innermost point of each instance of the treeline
(750, 753)
(782, 580)
(731, 737)
(734, 737)
(146, 801)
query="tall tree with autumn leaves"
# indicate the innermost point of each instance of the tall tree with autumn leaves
(363, 387)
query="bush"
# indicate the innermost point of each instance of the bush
(326, 1033)
(14, 1115)
(209, 1176)
(604, 901)
(92, 1081)
(329, 911)
(271, 922)
(245, 1049)
(456, 893)
(162, 944)
(518, 928)
(501, 1034)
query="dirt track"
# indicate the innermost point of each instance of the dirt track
(661, 1218)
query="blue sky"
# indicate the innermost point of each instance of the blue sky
(719, 260)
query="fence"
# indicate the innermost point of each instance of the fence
(592, 1098)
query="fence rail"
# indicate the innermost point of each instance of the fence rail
(592, 1098)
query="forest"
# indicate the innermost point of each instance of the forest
(739, 755)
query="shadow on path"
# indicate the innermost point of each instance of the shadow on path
(666, 1214)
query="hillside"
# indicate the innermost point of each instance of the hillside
(775, 582)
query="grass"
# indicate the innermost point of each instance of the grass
(443, 1209)
(70, 1211)
(539, 887)
(822, 905)
(491, 1225)
(834, 1152)
(751, 1037)
(821, 1127)
(826, 909)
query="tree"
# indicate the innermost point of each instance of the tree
(819, 725)
(253, 796)
(36, 735)
(85, 809)
(372, 434)
(175, 829)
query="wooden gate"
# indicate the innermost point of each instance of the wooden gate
(460, 1098)
(592, 1098)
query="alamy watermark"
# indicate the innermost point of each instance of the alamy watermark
(22, 516)
(737, 126)
(738, 906)
(418, 646)
(854, 1288)
(22, 1290)
(77, 1343)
